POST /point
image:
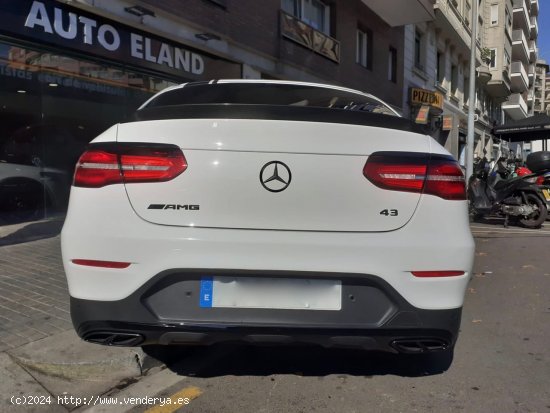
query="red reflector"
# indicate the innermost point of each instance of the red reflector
(428, 274)
(103, 264)
(416, 172)
(129, 164)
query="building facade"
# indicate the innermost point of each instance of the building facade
(541, 70)
(542, 99)
(437, 59)
(520, 103)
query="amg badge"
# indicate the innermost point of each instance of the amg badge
(174, 207)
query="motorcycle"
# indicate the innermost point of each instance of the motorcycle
(490, 192)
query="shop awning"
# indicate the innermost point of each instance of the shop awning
(534, 128)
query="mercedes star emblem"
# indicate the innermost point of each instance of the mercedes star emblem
(275, 176)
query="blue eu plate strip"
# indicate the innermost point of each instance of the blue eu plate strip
(207, 292)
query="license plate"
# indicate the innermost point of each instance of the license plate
(272, 293)
(546, 193)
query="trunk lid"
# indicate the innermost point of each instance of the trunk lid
(272, 175)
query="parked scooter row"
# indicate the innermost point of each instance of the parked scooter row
(521, 199)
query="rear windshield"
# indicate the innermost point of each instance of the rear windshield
(269, 94)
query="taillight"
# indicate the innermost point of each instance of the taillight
(97, 168)
(445, 179)
(123, 163)
(421, 173)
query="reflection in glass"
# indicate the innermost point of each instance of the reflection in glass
(51, 106)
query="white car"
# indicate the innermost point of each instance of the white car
(268, 212)
(36, 163)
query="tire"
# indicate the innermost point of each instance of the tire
(26, 203)
(536, 219)
(427, 364)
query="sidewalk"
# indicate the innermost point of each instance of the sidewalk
(40, 354)
(34, 300)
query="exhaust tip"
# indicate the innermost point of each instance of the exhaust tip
(420, 345)
(109, 338)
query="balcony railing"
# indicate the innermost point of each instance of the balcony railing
(518, 70)
(302, 33)
(534, 24)
(533, 51)
(520, 47)
(521, 15)
(516, 107)
(518, 4)
(534, 7)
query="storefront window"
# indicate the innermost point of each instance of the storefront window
(51, 106)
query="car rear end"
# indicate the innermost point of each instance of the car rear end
(212, 219)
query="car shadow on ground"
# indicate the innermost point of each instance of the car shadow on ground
(244, 360)
(33, 231)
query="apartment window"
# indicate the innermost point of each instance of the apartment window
(313, 12)
(454, 80)
(468, 13)
(292, 7)
(392, 65)
(363, 55)
(466, 90)
(479, 30)
(493, 58)
(507, 58)
(494, 14)
(418, 53)
(440, 68)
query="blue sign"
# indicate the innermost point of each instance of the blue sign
(207, 292)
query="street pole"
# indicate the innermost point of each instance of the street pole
(472, 104)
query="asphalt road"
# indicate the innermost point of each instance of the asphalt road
(501, 362)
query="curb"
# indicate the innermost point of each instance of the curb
(66, 365)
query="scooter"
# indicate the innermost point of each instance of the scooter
(519, 198)
(543, 181)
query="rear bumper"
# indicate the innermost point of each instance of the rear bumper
(166, 310)
(437, 238)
